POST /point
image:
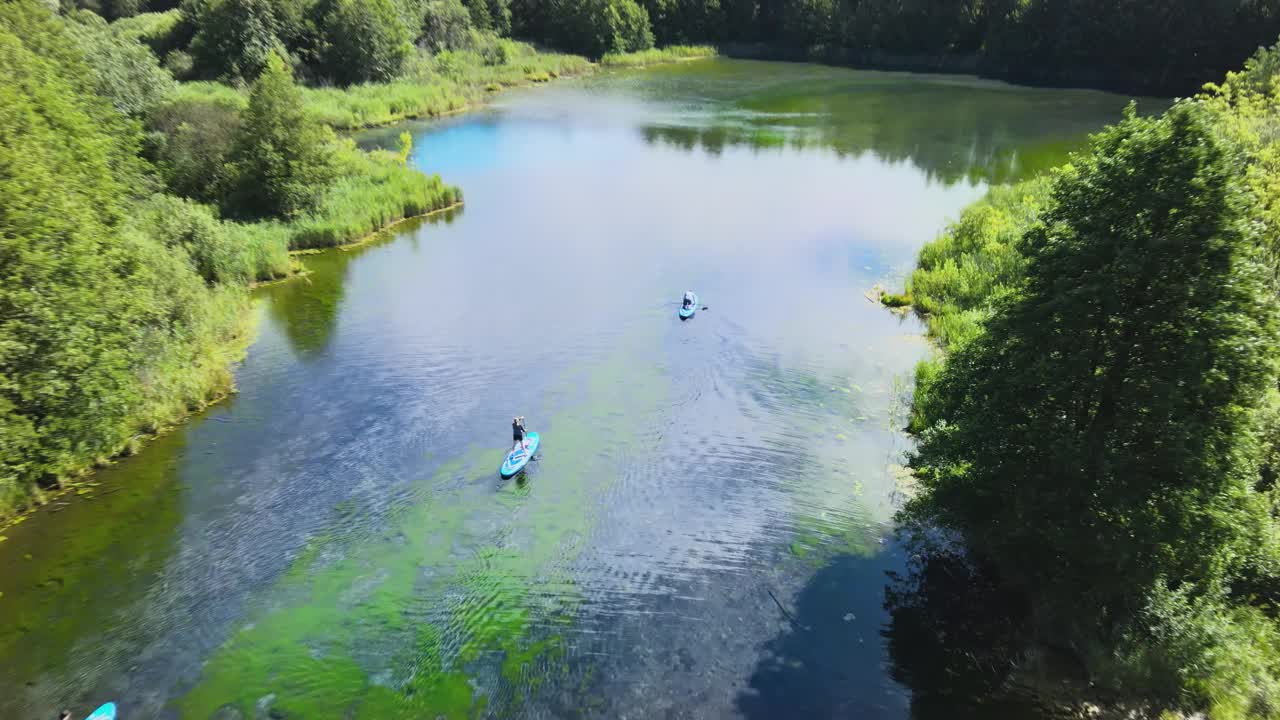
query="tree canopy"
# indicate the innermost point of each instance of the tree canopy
(1097, 441)
(281, 160)
(90, 310)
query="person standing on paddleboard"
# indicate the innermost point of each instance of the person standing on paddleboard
(518, 430)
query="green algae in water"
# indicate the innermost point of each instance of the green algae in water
(51, 571)
(311, 647)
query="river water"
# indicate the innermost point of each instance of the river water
(707, 530)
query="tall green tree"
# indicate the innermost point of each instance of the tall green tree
(365, 40)
(127, 72)
(446, 25)
(98, 324)
(1097, 441)
(282, 160)
(233, 38)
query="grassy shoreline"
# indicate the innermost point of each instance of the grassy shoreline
(383, 192)
(446, 84)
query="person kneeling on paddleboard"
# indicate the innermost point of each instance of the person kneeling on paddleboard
(688, 298)
(517, 432)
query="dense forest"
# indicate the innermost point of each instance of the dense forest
(133, 221)
(1155, 47)
(1099, 444)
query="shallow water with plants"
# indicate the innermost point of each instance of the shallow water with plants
(707, 529)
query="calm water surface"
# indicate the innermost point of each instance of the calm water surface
(707, 530)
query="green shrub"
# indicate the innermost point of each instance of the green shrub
(446, 25)
(281, 160)
(375, 190)
(220, 252)
(107, 332)
(160, 31)
(365, 41)
(653, 56)
(233, 37)
(191, 143)
(126, 73)
(896, 301)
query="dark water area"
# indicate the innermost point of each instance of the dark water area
(707, 531)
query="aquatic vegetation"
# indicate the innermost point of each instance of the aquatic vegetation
(374, 190)
(346, 632)
(654, 56)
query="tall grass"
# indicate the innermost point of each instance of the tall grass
(444, 83)
(209, 92)
(654, 56)
(376, 190)
(439, 84)
(384, 103)
(960, 274)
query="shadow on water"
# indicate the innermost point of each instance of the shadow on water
(819, 667)
(954, 635)
(947, 633)
(307, 308)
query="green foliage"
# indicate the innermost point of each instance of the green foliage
(220, 252)
(109, 9)
(105, 332)
(446, 25)
(373, 191)
(654, 56)
(404, 147)
(605, 26)
(491, 15)
(125, 72)
(435, 85)
(1096, 443)
(160, 31)
(591, 27)
(1199, 653)
(365, 41)
(192, 139)
(233, 38)
(894, 300)
(281, 162)
(960, 274)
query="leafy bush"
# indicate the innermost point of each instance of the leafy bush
(192, 141)
(106, 332)
(126, 73)
(446, 25)
(233, 38)
(160, 31)
(281, 161)
(1095, 441)
(220, 252)
(365, 40)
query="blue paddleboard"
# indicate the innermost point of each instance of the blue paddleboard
(106, 712)
(687, 312)
(519, 457)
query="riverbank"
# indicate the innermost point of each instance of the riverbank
(1064, 380)
(375, 192)
(447, 83)
(1108, 79)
